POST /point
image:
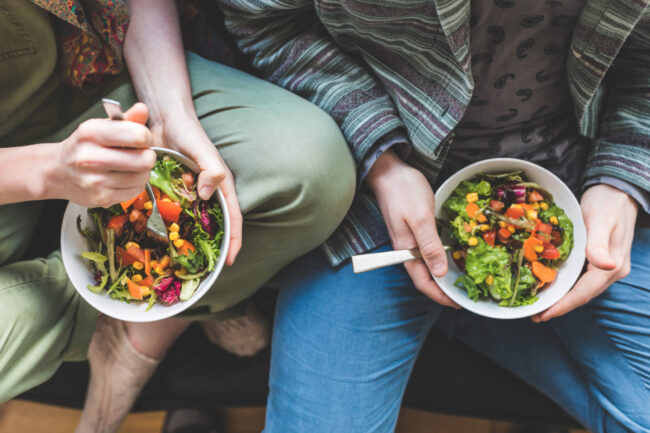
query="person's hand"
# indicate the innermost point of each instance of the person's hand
(407, 204)
(610, 216)
(186, 135)
(103, 162)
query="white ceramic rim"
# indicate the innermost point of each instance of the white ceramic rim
(122, 310)
(577, 253)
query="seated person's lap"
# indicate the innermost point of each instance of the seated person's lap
(294, 181)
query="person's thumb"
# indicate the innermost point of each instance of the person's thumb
(209, 180)
(138, 113)
(598, 246)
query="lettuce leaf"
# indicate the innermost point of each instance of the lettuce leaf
(483, 260)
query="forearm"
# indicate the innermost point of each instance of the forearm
(154, 54)
(24, 176)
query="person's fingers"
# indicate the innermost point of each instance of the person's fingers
(115, 159)
(111, 133)
(421, 277)
(236, 219)
(124, 180)
(209, 180)
(599, 232)
(433, 253)
(590, 285)
(138, 113)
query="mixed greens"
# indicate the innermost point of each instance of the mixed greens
(509, 237)
(132, 266)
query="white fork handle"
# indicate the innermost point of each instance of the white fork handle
(368, 262)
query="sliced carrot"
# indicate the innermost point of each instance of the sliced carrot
(147, 282)
(529, 248)
(186, 248)
(130, 255)
(147, 262)
(545, 274)
(472, 209)
(126, 204)
(467, 227)
(164, 262)
(134, 289)
(480, 217)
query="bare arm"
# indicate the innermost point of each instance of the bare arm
(154, 53)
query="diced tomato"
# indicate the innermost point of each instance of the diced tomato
(141, 200)
(467, 227)
(556, 238)
(515, 212)
(129, 256)
(169, 210)
(529, 248)
(497, 205)
(550, 252)
(126, 204)
(504, 233)
(147, 282)
(472, 209)
(544, 228)
(534, 195)
(117, 223)
(490, 237)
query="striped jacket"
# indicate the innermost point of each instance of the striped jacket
(401, 69)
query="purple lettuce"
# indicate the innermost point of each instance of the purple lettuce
(201, 212)
(168, 290)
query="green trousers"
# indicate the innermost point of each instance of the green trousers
(295, 181)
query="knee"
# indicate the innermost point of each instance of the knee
(316, 155)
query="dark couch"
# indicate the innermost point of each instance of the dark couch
(448, 377)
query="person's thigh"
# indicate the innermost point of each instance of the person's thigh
(43, 321)
(595, 361)
(294, 173)
(17, 225)
(343, 347)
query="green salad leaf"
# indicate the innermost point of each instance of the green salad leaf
(457, 201)
(483, 260)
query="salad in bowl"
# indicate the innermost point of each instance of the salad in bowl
(515, 236)
(124, 271)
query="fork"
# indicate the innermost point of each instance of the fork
(155, 224)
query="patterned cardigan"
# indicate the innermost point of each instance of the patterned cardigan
(401, 69)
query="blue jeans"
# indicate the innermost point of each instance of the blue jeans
(344, 346)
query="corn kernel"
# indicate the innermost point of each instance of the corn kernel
(174, 227)
(532, 214)
(138, 265)
(167, 199)
(484, 227)
(173, 236)
(472, 197)
(136, 278)
(543, 205)
(132, 244)
(154, 263)
(511, 228)
(164, 262)
(456, 255)
(179, 243)
(181, 271)
(472, 241)
(159, 270)
(539, 248)
(535, 205)
(148, 205)
(473, 224)
(553, 220)
(146, 291)
(502, 224)
(489, 280)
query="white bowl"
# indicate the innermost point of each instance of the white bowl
(568, 272)
(73, 244)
